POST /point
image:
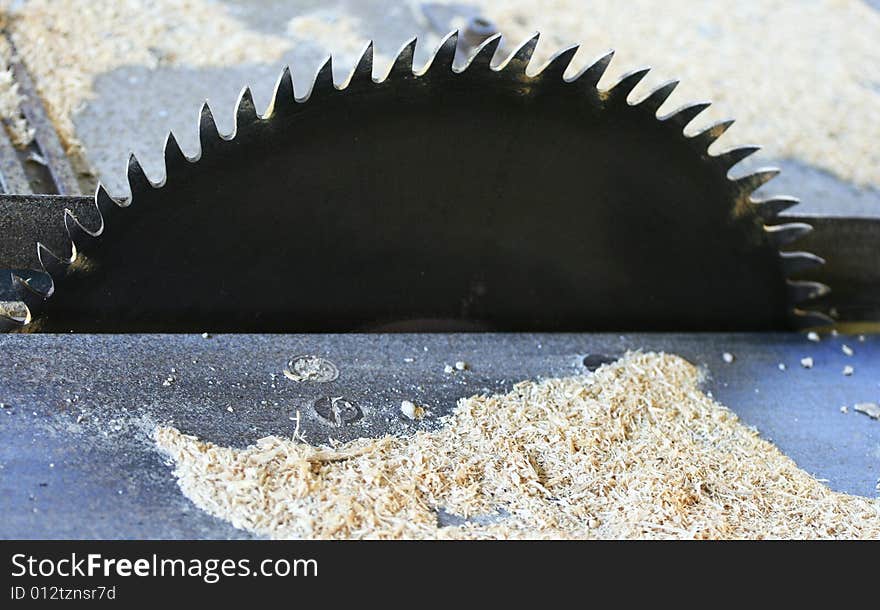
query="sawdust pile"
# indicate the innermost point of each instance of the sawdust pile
(66, 45)
(801, 78)
(19, 131)
(632, 451)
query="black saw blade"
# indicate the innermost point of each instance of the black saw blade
(484, 197)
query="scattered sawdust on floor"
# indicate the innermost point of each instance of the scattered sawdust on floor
(66, 45)
(801, 78)
(634, 450)
(336, 34)
(11, 99)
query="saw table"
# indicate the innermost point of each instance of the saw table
(77, 459)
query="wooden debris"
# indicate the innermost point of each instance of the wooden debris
(871, 409)
(634, 450)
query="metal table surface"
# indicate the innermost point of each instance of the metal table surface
(77, 460)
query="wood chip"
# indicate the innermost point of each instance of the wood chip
(870, 409)
(411, 410)
(11, 99)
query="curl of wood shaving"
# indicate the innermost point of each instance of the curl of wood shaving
(635, 450)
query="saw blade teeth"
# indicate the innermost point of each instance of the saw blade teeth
(29, 295)
(209, 135)
(730, 157)
(79, 235)
(755, 180)
(622, 88)
(589, 77)
(175, 160)
(8, 324)
(785, 234)
(137, 178)
(804, 319)
(402, 66)
(107, 206)
(51, 263)
(768, 209)
(684, 115)
(245, 109)
(705, 138)
(794, 263)
(283, 98)
(485, 53)
(655, 99)
(802, 292)
(363, 70)
(443, 59)
(557, 65)
(323, 82)
(520, 58)
(25, 296)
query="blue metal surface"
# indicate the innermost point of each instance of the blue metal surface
(76, 459)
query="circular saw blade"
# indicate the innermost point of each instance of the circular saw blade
(483, 197)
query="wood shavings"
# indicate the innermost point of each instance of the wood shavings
(411, 410)
(635, 450)
(702, 43)
(11, 99)
(459, 366)
(67, 45)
